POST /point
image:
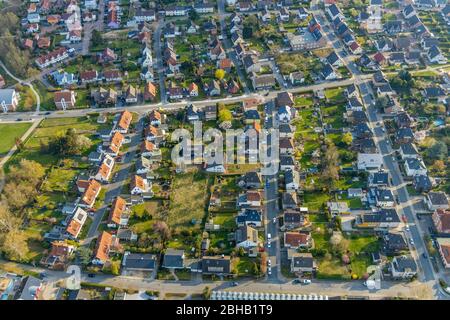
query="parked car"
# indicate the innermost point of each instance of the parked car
(306, 281)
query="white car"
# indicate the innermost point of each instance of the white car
(268, 244)
(269, 271)
(407, 228)
(269, 262)
(306, 281)
(269, 236)
(411, 241)
(274, 220)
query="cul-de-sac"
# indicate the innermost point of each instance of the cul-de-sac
(224, 149)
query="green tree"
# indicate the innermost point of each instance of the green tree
(193, 15)
(15, 245)
(225, 115)
(97, 39)
(206, 294)
(85, 255)
(438, 151)
(219, 74)
(347, 138)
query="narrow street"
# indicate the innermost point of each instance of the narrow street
(115, 189)
(159, 63)
(229, 47)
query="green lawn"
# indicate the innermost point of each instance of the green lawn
(315, 200)
(188, 199)
(334, 95)
(9, 133)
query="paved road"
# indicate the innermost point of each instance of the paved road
(407, 208)
(114, 189)
(229, 47)
(329, 288)
(272, 208)
(13, 116)
(158, 45)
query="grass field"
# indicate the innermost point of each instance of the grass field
(188, 199)
(9, 133)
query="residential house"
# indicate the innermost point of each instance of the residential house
(378, 179)
(219, 265)
(297, 78)
(435, 55)
(436, 200)
(302, 262)
(296, 240)
(289, 200)
(287, 162)
(51, 58)
(106, 244)
(115, 143)
(403, 267)
(422, 183)
(112, 76)
(444, 251)
(286, 146)
(139, 185)
(293, 219)
(408, 150)
(338, 208)
(387, 218)
(394, 243)
(246, 237)
(76, 223)
(9, 100)
(404, 135)
(119, 214)
(369, 161)
(90, 194)
(441, 221)
(328, 72)
(264, 81)
(139, 262)
(292, 180)
(415, 167)
(58, 256)
(251, 179)
(149, 92)
(105, 169)
(123, 124)
(250, 217)
(131, 95)
(174, 259)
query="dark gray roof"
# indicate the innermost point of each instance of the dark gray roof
(287, 160)
(401, 264)
(303, 260)
(414, 164)
(380, 178)
(438, 198)
(173, 258)
(216, 264)
(409, 149)
(140, 261)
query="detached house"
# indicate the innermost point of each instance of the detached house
(105, 169)
(139, 185)
(436, 200)
(9, 100)
(76, 223)
(297, 240)
(106, 244)
(246, 237)
(124, 122)
(90, 194)
(119, 215)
